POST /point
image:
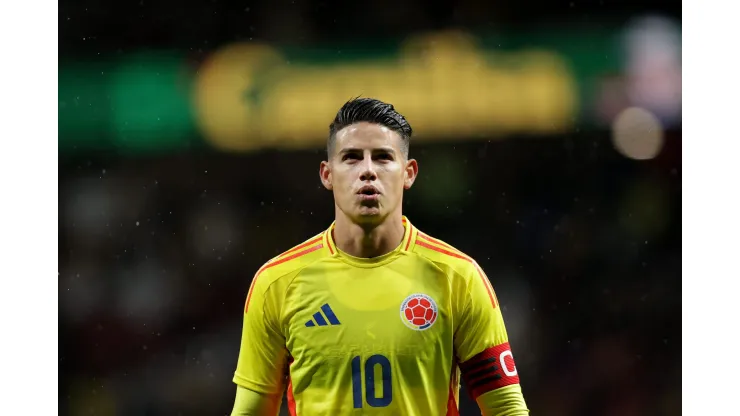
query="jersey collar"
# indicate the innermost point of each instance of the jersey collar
(407, 244)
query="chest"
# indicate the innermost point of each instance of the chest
(348, 312)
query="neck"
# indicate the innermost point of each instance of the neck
(368, 241)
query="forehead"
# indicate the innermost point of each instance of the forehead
(365, 135)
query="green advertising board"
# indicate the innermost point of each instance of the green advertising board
(247, 96)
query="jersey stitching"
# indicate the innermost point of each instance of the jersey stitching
(327, 237)
(276, 263)
(290, 283)
(440, 242)
(411, 236)
(459, 255)
(306, 244)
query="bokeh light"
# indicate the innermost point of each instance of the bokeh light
(637, 134)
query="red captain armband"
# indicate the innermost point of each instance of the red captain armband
(491, 369)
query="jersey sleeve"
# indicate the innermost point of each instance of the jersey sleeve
(263, 355)
(483, 351)
(251, 403)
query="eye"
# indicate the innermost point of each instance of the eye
(350, 156)
(384, 156)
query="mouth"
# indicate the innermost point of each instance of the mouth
(368, 193)
(368, 190)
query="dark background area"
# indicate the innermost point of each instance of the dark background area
(157, 249)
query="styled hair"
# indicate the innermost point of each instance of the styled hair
(370, 110)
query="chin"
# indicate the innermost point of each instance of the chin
(368, 214)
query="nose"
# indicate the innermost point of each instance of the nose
(368, 170)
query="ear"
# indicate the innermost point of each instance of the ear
(325, 175)
(412, 170)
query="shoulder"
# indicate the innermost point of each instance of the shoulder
(444, 255)
(291, 261)
(464, 272)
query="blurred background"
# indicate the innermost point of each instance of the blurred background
(190, 133)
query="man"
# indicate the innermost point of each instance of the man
(372, 316)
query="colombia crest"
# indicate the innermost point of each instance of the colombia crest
(419, 311)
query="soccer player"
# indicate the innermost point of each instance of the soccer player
(373, 316)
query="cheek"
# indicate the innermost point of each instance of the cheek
(396, 180)
(341, 183)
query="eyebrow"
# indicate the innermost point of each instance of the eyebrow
(358, 150)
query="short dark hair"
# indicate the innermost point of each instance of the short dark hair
(370, 110)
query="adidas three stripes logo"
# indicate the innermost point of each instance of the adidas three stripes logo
(318, 317)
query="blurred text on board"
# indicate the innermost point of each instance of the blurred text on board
(248, 96)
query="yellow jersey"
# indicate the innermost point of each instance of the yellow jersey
(389, 335)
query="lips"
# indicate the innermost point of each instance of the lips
(368, 190)
(368, 194)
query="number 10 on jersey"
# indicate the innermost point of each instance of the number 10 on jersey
(372, 397)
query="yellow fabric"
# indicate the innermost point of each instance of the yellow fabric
(251, 403)
(334, 325)
(505, 401)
